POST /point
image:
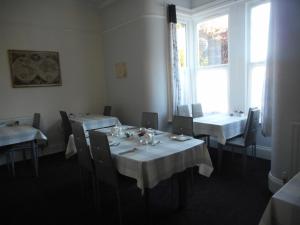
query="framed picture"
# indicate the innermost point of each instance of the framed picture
(121, 70)
(34, 68)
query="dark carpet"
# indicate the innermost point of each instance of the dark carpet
(229, 198)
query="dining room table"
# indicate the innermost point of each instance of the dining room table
(150, 163)
(284, 206)
(12, 136)
(89, 122)
(94, 121)
(221, 126)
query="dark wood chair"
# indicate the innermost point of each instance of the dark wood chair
(150, 120)
(66, 125)
(105, 170)
(249, 136)
(182, 125)
(104, 167)
(107, 110)
(197, 112)
(183, 110)
(85, 162)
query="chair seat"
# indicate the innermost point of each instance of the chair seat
(238, 141)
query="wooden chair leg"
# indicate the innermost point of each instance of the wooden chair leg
(12, 162)
(244, 160)
(119, 207)
(35, 159)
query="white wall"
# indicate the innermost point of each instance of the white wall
(286, 140)
(137, 36)
(198, 3)
(73, 29)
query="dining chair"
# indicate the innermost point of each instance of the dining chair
(183, 110)
(197, 110)
(33, 146)
(107, 110)
(85, 162)
(105, 169)
(67, 128)
(248, 138)
(182, 125)
(150, 120)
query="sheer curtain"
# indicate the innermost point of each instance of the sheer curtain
(175, 87)
(268, 93)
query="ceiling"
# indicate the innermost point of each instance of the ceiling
(101, 3)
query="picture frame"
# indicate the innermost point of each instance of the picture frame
(34, 68)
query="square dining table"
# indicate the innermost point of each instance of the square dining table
(150, 164)
(95, 121)
(221, 126)
(10, 136)
(284, 206)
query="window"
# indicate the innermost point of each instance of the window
(181, 29)
(222, 55)
(212, 74)
(259, 26)
(181, 45)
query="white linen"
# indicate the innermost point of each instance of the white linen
(221, 126)
(17, 134)
(284, 206)
(95, 121)
(151, 164)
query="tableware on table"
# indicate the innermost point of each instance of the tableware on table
(180, 137)
(127, 151)
(155, 142)
(112, 144)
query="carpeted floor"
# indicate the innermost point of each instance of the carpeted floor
(228, 198)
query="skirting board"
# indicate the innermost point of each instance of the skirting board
(274, 183)
(263, 152)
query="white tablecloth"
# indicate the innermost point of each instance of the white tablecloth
(284, 206)
(221, 126)
(95, 121)
(17, 134)
(151, 164)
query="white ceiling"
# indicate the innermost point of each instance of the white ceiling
(101, 3)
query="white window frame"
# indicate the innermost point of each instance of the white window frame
(238, 66)
(249, 64)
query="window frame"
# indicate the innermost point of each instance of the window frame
(250, 65)
(202, 17)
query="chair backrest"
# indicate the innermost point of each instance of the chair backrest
(182, 125)
(36, 120)
(150, 120)
(83, 151)
(104, 166)
(107, 110)
(251, 126)
(197, 110)
(66, 125)
(183, 110)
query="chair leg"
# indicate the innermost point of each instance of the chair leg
(35, 159)
(244, 160)
(119, 207)
(24, 155)
(81, 183)
(12, 162)
(208, 141)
